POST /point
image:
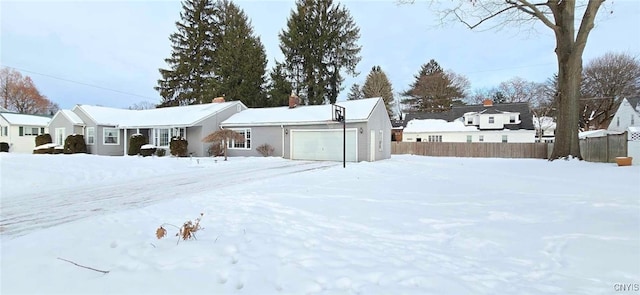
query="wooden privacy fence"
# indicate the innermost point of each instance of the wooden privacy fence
(603, 149)
(474, 149)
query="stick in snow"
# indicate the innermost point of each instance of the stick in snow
(102, 271)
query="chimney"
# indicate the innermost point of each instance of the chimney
(218, 99)
(293, 101)
(487, 103)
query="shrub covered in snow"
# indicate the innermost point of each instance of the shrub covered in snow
(135, 142)
(178, 147)
(265, 150)
(43, 139)
(4, 147)
(147, 150)
(161, 152)
(48, 148)
(75, 144)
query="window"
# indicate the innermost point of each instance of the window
(632, 117)
(91, 135)
(4, 131)
(512, 119)
(469, 120)
(491, 120)
(469, 138)
(618, 121)
(59, 136)
(246, 144)
(111, 136)
(480, 138)
(28, 131)
(504, 138)
(435, 138)
(418, 139)
(162, 136)
(380, 141)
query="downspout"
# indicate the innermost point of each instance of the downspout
(124, 153)
(282, 127)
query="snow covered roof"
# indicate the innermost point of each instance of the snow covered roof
(171, 116)
(544, 122)
(72, 117)
(436, 125)
(356, 111)
(592, 133)
(24, 119)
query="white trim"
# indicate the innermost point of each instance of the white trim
(372, 146)
(231, 143)
(104, 136)
(285, 124)
(86, 131)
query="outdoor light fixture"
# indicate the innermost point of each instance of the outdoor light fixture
(361, 130)
(286, 131)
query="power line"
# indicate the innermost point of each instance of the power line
(78, 82)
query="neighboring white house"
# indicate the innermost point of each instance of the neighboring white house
(107, 130)
(545, 129)
(627, 119)
(20, 130)
(476, 123)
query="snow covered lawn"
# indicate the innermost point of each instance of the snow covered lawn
(408, 225)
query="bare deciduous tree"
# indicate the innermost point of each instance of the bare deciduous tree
(19, 94)
(560, 17)
(224, 136)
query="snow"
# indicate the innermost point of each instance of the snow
(147, 147)
(593, 133)
(170, 116)
(46, 146)
(407, 225)
(436, 125)
(26, 120)
(356, 111)
(73, 118)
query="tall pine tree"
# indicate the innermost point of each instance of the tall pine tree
(377, 85)
(279, 88)
(239, 57)
(188, 79)
(318, 43)
(433, 90)
(355, 92)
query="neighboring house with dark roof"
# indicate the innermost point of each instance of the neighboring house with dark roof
(510, 122)
(309, 133)
(20, 130)
(107, 130)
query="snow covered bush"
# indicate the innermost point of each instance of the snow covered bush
(43, 139)
(161, 152)
(135, 142)
(147, 150)
(178, 147)
(4, 147)
(265, 150)
(75, 144)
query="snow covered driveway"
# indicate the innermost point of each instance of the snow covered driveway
(408, 225)
(127, 187)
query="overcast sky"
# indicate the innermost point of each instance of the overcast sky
(108, 53)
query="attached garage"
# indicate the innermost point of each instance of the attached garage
(323, 145)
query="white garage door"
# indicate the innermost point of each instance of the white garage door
(322, 145)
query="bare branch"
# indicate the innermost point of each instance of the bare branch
(91, 268)
(531, 9)
(482, 20)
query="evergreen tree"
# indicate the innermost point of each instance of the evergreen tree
(188, 79)
(355, 92)
(434, 90)
(318, 44)
(378, 85)
(279, 88)
(239, 58)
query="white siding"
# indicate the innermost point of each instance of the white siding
(624, 117)
(489, 136)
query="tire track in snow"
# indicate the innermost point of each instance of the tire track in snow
(25, 213)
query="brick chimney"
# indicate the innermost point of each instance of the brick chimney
(218, 99)
(293, 101)
(487, 103)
